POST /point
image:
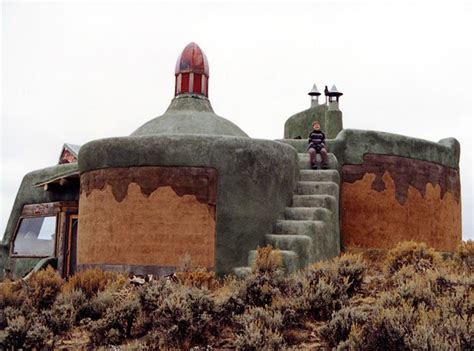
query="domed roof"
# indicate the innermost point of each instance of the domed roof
(190, 115)
(190, 112)
(192, 59)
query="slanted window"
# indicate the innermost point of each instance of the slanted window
(35, 237)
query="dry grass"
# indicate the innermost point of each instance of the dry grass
(90, 281)
(44, 286)
(267, 260)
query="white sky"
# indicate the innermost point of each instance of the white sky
(74, 72)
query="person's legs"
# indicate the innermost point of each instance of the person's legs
(324, 158)
(312, 157)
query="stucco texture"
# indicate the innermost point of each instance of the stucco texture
(299, 125)
(350, 146)
(255, 183)
(190, 114)
(388, 199)
(29, 193)
(170, 227)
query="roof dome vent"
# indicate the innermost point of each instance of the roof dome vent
(192, 72)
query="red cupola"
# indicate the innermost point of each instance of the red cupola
(192, 72)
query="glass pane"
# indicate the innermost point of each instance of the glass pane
(35, 237)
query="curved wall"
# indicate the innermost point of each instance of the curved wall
(388, 199)
(171, 208)
(396, 188)
(29, 193)
(255, 182)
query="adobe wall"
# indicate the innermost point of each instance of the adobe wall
(388, 199)
(395, 188)
(147, 219)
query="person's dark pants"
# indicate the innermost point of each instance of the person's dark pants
(312, 156)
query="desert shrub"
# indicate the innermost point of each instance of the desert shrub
(259, 289)
(15, 333)
(151, 297)
(228, 306)
(433, 332)
(404, 327)
(374, 256)
(267, 280)
(144, 344)
(388, 299)
(267, 260)
(95, 307)
(418, 291)
(316, 292)
(185, 317)
(339, 327)
(385, 329)
(90, 281)
(44, 286)
(3, 319)
(11, 294)
(416, 288)
(457, 331)
(75, 298)
(198, 278)
(320, 299)
(322, 269)
(352, 267)
(38, 336)
(464, 255)
(60, 317)
(344, 273)
(116, 324)
(410, 253)
(260, 329)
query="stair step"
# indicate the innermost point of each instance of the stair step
(308, 213)
(304, 161)
(301, 244)
(317, 188)
(242, 272)
(325, 201)
(323, 175)
(290, 260)
(298, 227)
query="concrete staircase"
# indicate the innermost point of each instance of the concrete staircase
(309, 229)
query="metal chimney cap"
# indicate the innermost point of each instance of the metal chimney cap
(314, 91)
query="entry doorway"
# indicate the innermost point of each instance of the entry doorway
(70, 255)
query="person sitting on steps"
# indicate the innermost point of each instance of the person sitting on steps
(316, 140)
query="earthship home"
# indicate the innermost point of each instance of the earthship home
(192, 183)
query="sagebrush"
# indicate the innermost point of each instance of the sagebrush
(406, 298)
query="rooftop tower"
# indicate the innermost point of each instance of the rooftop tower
(190, 111)
(192, 72)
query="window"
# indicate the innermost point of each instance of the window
(35, 237)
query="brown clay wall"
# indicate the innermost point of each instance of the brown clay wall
(388, 199)
(147, 216)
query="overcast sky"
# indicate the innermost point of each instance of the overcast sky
(75, 72)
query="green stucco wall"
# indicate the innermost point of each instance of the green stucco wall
(351, 145)
(299, 125)
(30, 194)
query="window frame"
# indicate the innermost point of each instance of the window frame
(47, 213)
